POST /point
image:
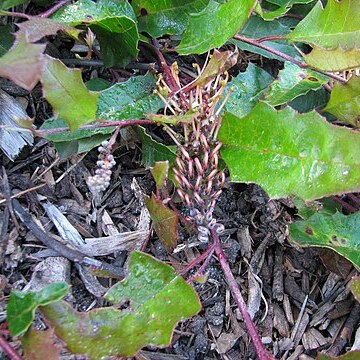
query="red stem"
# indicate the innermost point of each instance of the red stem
(202, 268)
(119, 124)
(54, 8)
(286, 57)
(234, 288)
(8, 349)
(269, 38)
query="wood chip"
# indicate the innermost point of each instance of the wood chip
(288, 311)
(278, 279)
(280, 323)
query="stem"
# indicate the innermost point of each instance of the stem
(16, 14)
(234, 288)
(54, 8)
(287, 57)
(273, 37)
(119, 124)
(8, 349)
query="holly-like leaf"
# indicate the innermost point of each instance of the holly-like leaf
(257, 28)
(247, 89)
(213, 26)
(314, 100)
(291, 154)
(158, 18)
(23, 63)
(338, 232)
(36, 28)
(338, 25)
(21, 308)
(355, 287)
(292, 82)
(160, 172)
(39, 345)
(165, 221)
(158, 299)
(68, 95)
(129, 100)
(344, 101)
(113, 23)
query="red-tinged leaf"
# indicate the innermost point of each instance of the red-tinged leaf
(39, 345)
(355, 287)
(158, 299)
(160, 172)
(67, 93)
(23, 63)
(165, 221)
(335, 263)
(36, 28)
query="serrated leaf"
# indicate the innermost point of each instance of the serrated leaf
(291, 154)
(165, 221)
(68, 95)
(113, 23)
(257, 28)
(292, 81)
(355, 287)
(153, 151)
(247, 89)
(23, 63)
(338, 232)
(129, 100)
(160, 172)
(158, 297)
(351, 355)
(344, 101)
(284, 7)
(158, 18)
(21, 308)
(213, 26)
(338, 25)
(314, 100)
(36, 28)
(39, 345)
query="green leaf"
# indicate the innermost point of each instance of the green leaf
(21, 308)
(6, 38)
(292, 82)
(114, 24)
(23, 63)
(160, 172)
(68, 95)
(129, 100)
(158, 297)
(6, 4)
(213, 26)
(158, 18)
(247, 89)
(97, 84)
(338, 25)
(39, 345)
(173, 119)
(314, 100)
(355, 287)
(153, 151)
(36, 28)
(291, 154)
(257, 28)
(165, 221)
(338, 232)
(351, 355)
(345, 101)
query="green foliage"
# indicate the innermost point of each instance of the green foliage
(66, 92)
(291, 154)
(292, 82)
(21, 308)
(338, 232)
(6, 4)
(159, 298)
(213, 26)
(351, 355)
(6, 38)
(355, 287)
(114, 24)
(165, 221)
(160, 173)
(344, 101)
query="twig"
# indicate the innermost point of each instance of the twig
(16, 14)
(234, 288)
(286, 57)
(8, 349)
(21, 193)
(71, 254)
(120, 124)
(54, 8)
